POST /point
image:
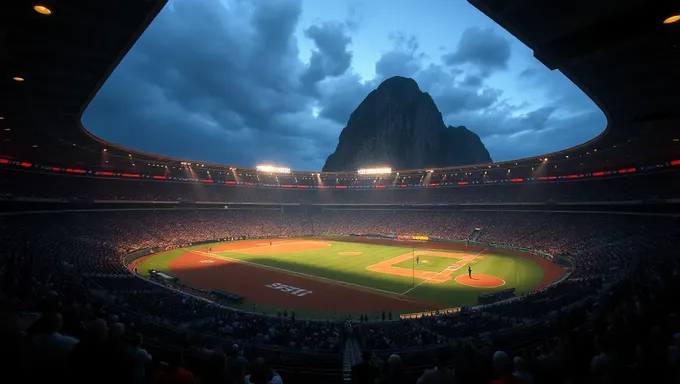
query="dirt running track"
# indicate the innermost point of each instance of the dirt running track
(250, 281)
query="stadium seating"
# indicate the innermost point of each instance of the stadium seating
(70, 262)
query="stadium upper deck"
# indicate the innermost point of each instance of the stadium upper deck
(619, 52)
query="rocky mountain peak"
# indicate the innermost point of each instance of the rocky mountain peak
(399, 125)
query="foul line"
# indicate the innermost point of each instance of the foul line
(442, 271)
(393, 295)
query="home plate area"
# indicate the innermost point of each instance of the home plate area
(387, 266)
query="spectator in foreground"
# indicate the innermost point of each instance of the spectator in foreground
(440, 374)
(522, 372)
(174, 373)
(261, 373)
(140, 359)
(394, 370)
(365, 372)
(503, 366)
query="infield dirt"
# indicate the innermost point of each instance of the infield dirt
(387, 266)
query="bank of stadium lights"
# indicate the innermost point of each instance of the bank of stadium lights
(18, 79)
(672, 19)
(375, 171)
(267, 168)
(43, 10)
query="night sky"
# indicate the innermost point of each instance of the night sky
(246, 82)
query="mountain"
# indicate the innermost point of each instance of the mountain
(400, 126)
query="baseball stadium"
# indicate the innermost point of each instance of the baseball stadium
(123, 266)
(313, 275)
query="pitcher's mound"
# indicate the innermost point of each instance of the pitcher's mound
(349, 253)
(480, 281)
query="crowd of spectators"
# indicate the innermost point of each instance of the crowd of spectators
(69, 304)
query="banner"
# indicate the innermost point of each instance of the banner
(437, 312)
(416, 238)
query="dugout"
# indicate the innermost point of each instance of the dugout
(162, 276)
(228, 296)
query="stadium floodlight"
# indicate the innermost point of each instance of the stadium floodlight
(272, 169)
(375, 171)
(672, 19)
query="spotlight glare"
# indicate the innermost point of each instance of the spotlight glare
(375, 171)
(268, 168)
(672, 19)
(43, 10)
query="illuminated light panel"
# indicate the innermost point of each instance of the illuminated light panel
(43, 10)
(375, 171)
(272, 169)
(672, 19)
(18, 79)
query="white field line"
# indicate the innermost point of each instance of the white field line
(442, 271)
(393, 295)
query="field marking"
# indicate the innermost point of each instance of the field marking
(393, 295)
(442, 271)
(388, 267)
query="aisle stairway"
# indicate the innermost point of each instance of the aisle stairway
(474, 235)
(350, 356)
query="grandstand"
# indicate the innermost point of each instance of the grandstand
(73, 206)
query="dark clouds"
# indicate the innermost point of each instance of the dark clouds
(484, 49)
(332, 57)
(225, 84)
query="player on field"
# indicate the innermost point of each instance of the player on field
(469, 272)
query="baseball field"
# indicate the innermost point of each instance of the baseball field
(340, 276)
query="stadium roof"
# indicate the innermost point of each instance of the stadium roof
(618, 51)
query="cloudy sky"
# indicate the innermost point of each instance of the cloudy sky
(243, 82)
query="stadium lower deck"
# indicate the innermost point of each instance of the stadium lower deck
(78, 255)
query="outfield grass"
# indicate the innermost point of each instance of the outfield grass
(518, 272)
(159, 262)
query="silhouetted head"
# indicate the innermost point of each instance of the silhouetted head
(260, 371)
(502, 363)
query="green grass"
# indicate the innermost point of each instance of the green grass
(160, 262)
(518, 272)
(427, 263)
